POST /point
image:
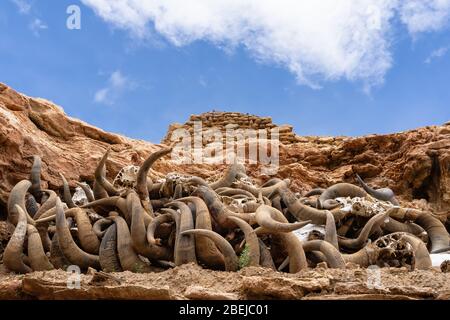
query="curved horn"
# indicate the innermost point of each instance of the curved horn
(365, 257)
(422, 260)
(266, 260)
(333, 257)
(185, 245)
(31, 205)
(141, 178)
(154, 224)
(47, 205)
(205, 248)
(88, 239)
(68, 246)
(230, 258)
(178, 193)
(108, 256)
(12, 256)
(396, 226)
(228, 178)
(315, 192)
(99, 225)
(35, 178)
(100, 176)
(139, 234)
(374, 222)
(87, 191)
(342, 190)
(129, 260)
(57, 258)
(294, 248)
(38, 260)
(67, 195)
(330, 230)
(303, 212)
(17, 197)
(384, 194)
(273, 220)
(436, 231)
(250, 238)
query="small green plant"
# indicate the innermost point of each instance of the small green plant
(244, 258)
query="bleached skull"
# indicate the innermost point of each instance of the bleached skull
(126, 178)
(79, 197)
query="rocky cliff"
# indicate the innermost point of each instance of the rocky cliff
(415, 164)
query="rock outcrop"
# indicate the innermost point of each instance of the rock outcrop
(415, 164)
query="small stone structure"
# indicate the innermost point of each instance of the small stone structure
(220, 120)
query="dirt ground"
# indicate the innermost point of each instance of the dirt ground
(193, 282)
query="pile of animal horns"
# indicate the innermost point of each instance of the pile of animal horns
(223, 225)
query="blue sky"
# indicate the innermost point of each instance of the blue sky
(134, 75)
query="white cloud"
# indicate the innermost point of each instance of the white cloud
(315, 40)
(36, 26)
(436, 54)
(425, 15)
(23, 5)
(116, 86)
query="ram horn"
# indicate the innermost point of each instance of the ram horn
(66, 193)
(100, 176)
(17, 197)
(314, 192)
(294, 248)
(38, 260)
(129, 260)
(274, 221)
(384, 194)
(230, 258)
(47, 205)
(68, 246)
(330, 230)
(436, 231)
(57, 258)
(13, 254)
(205, 248)
(153, 226)
(100, 226)
(31, 205)
(88, 239)
(251, 239)
(228, 178)
(217, 209)
(422, 260)
(108, 255)
(365, 257)
(139, 234)
(374, 222)
(185, 247)
(396, 226)
(333, 257)
(35, 178)
(342, 190)
(266, 260)
(142, 183)
(87, 191)
(302, 212)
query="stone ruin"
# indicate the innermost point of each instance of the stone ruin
(237, 120)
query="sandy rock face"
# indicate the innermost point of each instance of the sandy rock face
(415, 164)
